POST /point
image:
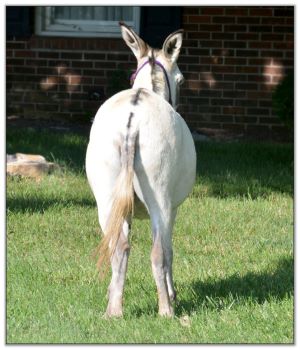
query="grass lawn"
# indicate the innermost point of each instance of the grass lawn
(233, 252)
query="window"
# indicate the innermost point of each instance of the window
(85, 21)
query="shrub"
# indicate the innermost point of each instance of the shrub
(118, 81)
(283, 100)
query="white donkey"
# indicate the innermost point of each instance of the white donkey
(140, 148)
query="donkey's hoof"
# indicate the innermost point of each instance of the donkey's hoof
(166, 312)
(113, 313)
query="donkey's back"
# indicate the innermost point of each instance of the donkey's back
(163, 149)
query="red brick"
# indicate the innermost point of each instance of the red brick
(93, 72)
(199, 19)
(283, 29)
(272, 20)
(257, 78)
(82, 64)
(246, 86)
(211, 43)
(246, 69)
(222, 118)
(247, 36)
(261, 12)
(15, 45)
(235, 60)
(48, 54)
(190, 28)
(259, 95)
(233, 94)
(72, 55)
(286, 45)
(15, 61)
(269, 120)
(284, 12)
(212, 10)
(272, 36)
(248, 20)
(235, 44)
(235, 28)
(245, 119)
(257, 61)
(36, 62)
(191, 10)
(222, 36)
(210, 27)
(260, 44)
(24, 53)
(198, 52)
(271, 53)
(236, 11)
(224, 19)
(221, 102)
(117, 57)
(190, 43)
(222, 69)
(94, 56)
(24, 70)
(234, 77)
(233, 110)
(199, 35)
(235, 127)
(261, 29)
(46, 71)
(247, 53)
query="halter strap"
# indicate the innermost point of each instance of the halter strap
(134, 75)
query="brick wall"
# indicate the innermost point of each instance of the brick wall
(232, 59)
(50, 77)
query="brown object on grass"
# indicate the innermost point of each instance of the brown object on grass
(28, 165)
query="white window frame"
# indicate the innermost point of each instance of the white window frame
(78, 28)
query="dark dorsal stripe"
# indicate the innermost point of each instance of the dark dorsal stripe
(129, 120)
(136, 97)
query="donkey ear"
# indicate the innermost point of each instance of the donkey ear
(135, 43)
(172, 45)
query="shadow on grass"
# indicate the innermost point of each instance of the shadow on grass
(258, 287)
(223, 169)
(67, 149)
(40, 205)
(243, 169)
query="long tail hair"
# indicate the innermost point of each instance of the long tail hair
(122, 205)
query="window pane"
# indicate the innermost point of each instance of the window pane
(97, 13)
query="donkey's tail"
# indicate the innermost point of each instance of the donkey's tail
(122, 204)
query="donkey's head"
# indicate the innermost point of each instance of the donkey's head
(157, 69)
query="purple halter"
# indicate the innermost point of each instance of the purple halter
(134, 75)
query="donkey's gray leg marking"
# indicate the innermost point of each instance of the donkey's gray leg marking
(169, 257)
(159, 273)
(119, 267)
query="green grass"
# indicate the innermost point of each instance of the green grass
(233, 252)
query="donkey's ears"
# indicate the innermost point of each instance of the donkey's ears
(136, 44)
(172, 45)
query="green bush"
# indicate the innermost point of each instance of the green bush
(283, 100)
(118, 81)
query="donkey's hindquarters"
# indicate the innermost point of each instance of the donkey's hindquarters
(139, 145)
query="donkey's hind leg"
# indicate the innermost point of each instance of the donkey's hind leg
(119, 267)
(161, 259)
(169, 258)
